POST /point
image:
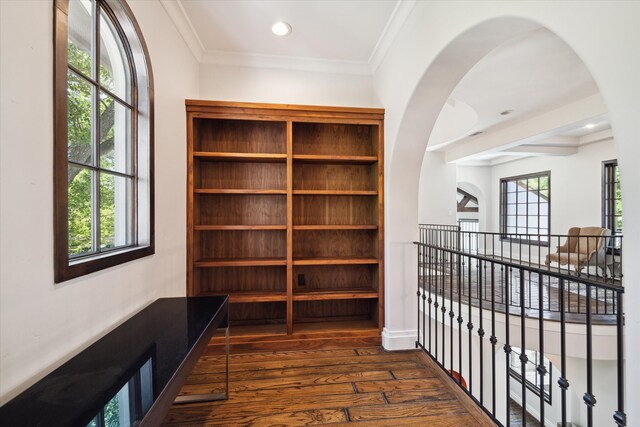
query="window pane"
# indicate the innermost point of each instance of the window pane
(81, 31)
(544, 183)
(116, 211)
(511, 209)
(79, 119)
(80, 208)
(114, 66)
(115, 135)
(544, 195)
(522, 197)
(544, 209)
(116, 412)
(522, 185)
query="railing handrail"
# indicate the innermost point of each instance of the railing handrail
(594, 256)
(497, 233)
(552, 273)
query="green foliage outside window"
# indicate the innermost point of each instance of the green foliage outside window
(80, 150)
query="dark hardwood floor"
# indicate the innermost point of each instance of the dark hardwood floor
(515, 415)
(472, 283)
(366, 386)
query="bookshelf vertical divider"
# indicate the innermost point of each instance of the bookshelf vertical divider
(285, 214)
(289, 227)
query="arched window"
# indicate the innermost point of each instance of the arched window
(103, 148)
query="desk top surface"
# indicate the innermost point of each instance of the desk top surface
(164, 332)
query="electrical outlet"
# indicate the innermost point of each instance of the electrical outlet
(301, 280)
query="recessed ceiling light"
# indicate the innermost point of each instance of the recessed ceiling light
(281, 28)
(506, 112)
(590, 125)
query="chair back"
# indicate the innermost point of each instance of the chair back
(591, 239)
(572, 240)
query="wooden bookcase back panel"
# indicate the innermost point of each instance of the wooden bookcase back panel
(239, 136)
(335, 139)
(335, 210)
(335, 243)
(239, 209)
(258, 313)
(309, 278)
(243, 279)
(253, 244)
(242, 175)
(333, 310)
(313, 176)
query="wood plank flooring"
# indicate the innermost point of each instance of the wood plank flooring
(359, 387)
(445, 280)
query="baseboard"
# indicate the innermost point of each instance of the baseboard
(399, 340)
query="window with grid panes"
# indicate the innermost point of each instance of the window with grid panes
(103, 138)
(525, 206)
(612, 201)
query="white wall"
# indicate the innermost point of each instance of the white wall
(42, 324)
(438, 203)
(438, 44)
(244, 84)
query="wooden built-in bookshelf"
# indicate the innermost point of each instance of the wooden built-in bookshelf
(285, 214)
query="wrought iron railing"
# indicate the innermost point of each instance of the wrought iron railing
(595, 257)
(503, 303)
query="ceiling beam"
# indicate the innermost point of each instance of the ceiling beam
(541, 150)
(596, 137)
(530, 130)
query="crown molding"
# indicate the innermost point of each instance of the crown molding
(184, 26)
(181, 20)
(256, 60)
(398, 17)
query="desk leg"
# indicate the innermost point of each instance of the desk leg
(226, 348)
(211, 397)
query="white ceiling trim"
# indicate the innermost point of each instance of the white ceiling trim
(399, 15)
(185, 27)
(285, 62)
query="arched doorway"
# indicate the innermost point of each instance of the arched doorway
(413, 127)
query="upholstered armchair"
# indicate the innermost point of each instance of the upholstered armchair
(585, 246)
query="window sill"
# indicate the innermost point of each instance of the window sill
(90, 264)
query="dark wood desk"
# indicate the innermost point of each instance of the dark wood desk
(144, 362)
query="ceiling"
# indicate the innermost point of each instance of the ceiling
(529, 76)
(532, 75)
(345, 36)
